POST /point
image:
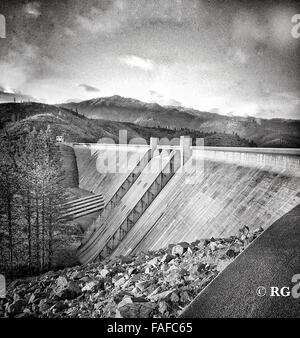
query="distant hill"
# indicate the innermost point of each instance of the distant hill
(264, 132)
(11, 97)
(19, 118)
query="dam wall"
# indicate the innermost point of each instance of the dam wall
(227, 189)
(89, 158)
(69, 166)
(233, 189)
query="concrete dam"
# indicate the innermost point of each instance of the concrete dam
(155, 195)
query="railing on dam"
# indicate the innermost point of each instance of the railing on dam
(270, 159)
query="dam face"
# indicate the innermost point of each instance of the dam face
(233, 187)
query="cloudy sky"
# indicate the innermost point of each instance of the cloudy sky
(231, 57)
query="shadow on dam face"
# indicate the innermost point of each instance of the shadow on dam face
(69, 165)
(237, 187)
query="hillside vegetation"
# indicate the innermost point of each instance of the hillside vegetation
(79, 128)
(264, 132)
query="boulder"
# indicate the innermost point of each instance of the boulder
(160, 296)
(16, 307)
(124, 301)
(60, 306)
(120, 295)
(167, 258)
(162, 307)
(133, 271)
(139, 299)
(230, 253)
(153, 262)
(142, 285)
(104, 273)
(178, 250)
(258, 230)
(213, 246)
(65, 289)
(195, 243)
(183, 272)
(120, 282)
(184, 297)
(44, 305)
(201, 267)
(126, 259)
(138, 310)
(174, 297)
(89, 286)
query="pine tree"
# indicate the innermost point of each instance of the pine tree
(31, 198)
(8, 189)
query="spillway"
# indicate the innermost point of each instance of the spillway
(118, 222)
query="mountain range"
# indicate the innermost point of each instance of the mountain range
(20, 118)
(87, 121)
(264, 132)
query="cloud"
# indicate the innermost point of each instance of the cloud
(75, 100)
(69, 32)
(163, 100)
(137, 62)
(89, 88)
(271, 27)
(119, 15)
(237, 55)
(247, 25)
(9, 95)
(270, 104)
(32, 9)
(19, 64)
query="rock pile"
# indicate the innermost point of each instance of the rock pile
(153, 284)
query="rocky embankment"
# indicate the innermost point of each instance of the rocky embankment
(153, 284)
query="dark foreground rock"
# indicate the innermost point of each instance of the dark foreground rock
(153, 284)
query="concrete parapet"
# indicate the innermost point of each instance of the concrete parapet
(274, 160)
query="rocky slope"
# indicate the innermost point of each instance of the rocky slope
(264, 132)
(154, 284)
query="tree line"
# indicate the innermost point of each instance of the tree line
(31, 198)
